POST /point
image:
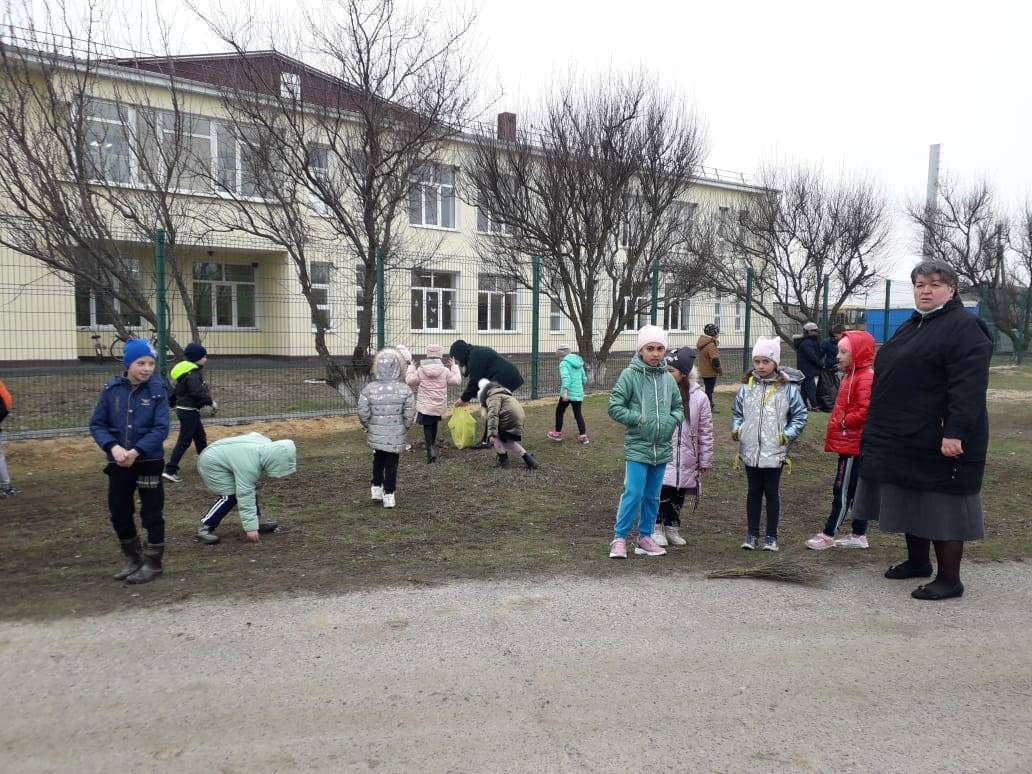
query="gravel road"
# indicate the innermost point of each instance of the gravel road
(555, 674)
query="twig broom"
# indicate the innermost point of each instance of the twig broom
(785, 571)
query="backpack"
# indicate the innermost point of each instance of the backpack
(170, 388)
(5, 395)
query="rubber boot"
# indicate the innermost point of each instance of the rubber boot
(503, 461)
(151, 569)
(134, 558)
(530, 462)
(431, 454)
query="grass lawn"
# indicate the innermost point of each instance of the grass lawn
(458, 519)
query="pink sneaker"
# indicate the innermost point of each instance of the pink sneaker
(583, 439)
(618, 549)
(649, 547)
(555, 435)
(820, 542)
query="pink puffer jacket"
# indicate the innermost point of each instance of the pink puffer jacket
(433, 378)
(692, 443)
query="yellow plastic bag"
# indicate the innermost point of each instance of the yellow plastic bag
(463, 428)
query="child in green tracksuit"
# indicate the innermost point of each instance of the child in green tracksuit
(231, 468)
(571, 393)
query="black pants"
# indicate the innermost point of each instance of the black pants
(385, 470)
(560, 410)
(709, 383)
(221, 509)
(671, 500)
(763, 483)
(847, 474)
(809, 390)
(123, 483)
(190, 431)
(430, 433)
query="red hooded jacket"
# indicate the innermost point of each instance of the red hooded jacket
(846, 423)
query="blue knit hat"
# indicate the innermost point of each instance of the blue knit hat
(194, 352)
(135, 349)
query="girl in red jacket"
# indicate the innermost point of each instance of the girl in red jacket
(845, 428)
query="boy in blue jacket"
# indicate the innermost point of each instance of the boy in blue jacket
(130, 423)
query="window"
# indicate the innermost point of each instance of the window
(320, 276)
(630, 225)
(319, 168)
(360, 302)
(677, 313)
(716, 310)
(488, 225)
(93, 309)
(432, 196)
(738, 315)
(496, 303)
(235, 162)
(189, 151)
(555, 317)
(433, 300)
(290, 86)
(641, 316)
(108, 142)
(224, 295)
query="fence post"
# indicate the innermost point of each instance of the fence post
(535, 325)
(747, 333)
(1023, 333)
(381, 306)
(655, 292)
(161, 333)
(824, 308)
(885, 312)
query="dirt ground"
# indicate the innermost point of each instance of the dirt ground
(553, 674)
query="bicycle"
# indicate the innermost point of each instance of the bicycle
(116, 348)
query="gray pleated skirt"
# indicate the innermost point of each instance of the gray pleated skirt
(932, 515)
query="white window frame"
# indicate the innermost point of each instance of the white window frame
(323, 173)
(488, 225)
(328, 307)
(428, 178)
(677, 309)
(440, 291)
(643, 313)
(131, 135)
(234, 285)
(116, 307)
(239, 147)
(159, 135)
(359, 307)
(717, 301)
(488, 296)
(738, 315)
(290, 86)
(555, 317)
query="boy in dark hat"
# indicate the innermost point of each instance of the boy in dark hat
(190, 395)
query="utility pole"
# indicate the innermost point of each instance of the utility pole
(931, 194)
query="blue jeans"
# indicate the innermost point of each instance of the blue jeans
(642, 483)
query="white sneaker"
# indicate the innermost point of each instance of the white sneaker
(853, 541)
(659, 536)
(376, 492)
(673, 536)
(388, 501)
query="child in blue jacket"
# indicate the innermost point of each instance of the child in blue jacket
(130, 423)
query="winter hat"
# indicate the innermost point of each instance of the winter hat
(404, 352)
(811, 326)
(651, 334)
(194, 352)
(711, 329)
(135, 349)
(768, 348)
(482, 384)
(434, 350)
(683, 359)
(563, 349)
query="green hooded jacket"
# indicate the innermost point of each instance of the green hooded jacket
(232, 466)
(647, 402)
(574, 377)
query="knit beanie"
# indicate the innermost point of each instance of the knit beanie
(683, 359)
(434, 350)
(194, 352)
(651, 334)
(563, 349)
(768, 348)
(135, 349)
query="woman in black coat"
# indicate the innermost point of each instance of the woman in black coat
(927, 433)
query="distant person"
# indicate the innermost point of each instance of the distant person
(829, 378)
(845, 429)
(431, 379)
(6, 404)
(768, 413)
(231, 467)
(709, 360)
(504, 419)
(810, 360)
(647, 402)
(483, 363)
(130, 423)
(386, 409)
(190, 395)
(572, 379)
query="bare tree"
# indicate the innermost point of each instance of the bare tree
(799, 228)
(358, 135)
(90, 167)
(599, 193)
(991, 252)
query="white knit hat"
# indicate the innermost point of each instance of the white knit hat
(651, 334)
(768, 348)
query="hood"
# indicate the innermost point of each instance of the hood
(278, 458)
(433, 366)
(640, 365)
(489, 389)
(387, 367)
(182, 368)
(792, 374)
(460, 351)
(573, 360)
(703, 341)
(862, 344)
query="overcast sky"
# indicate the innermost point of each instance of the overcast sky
(857, 87)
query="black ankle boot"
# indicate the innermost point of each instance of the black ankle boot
(530, 462)
(503, 461)
(134, 558)
(151, 568)
(431, 454)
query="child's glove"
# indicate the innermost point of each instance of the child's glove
(564, 394)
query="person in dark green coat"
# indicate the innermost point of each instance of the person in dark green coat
(647, 402)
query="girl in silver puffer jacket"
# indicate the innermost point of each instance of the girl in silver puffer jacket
(386, 409)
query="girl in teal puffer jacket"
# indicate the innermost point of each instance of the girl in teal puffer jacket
(647, 402)
(571, 393)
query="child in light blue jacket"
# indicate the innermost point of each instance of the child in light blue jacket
(573, 377)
